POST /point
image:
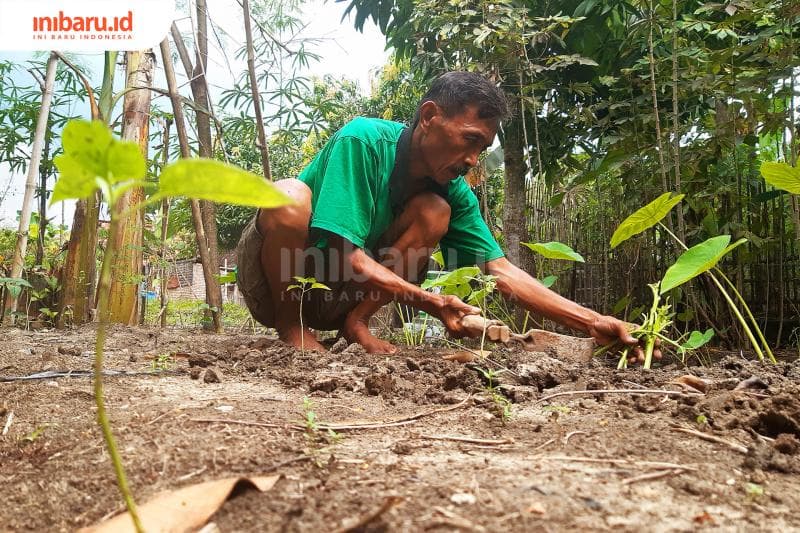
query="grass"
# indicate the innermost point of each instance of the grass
(189, 313)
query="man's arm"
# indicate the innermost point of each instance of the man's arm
(374, 276)
(517, 285)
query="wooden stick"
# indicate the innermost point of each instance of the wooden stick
(388, 503)
(616, 391)
(471, 440)
(339, 427)
(9, 419)
(652, 475)
(650, 464)
(712, 438)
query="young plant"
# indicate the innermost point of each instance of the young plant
(501, 403)
(697, 260)
(552, 250)
(92, 160)
(411, 335)
(305, 285)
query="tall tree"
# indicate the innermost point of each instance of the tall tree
(30, 183)
(123, 304)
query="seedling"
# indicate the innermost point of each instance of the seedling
(313, 434)
(305, 285)
(162, 362)
(501, 403)
(412, 336)
(697, 260)
(92, 160)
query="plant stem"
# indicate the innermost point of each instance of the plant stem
(102, 417)
(302, 328)
(732, 305)
(749, 315)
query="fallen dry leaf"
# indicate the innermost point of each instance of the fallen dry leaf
(694, 382)
(185, 509)
(465, 356)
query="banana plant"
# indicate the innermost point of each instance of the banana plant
(93, 159)
(699, 259)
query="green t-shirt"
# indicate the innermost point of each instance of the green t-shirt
(356, 190)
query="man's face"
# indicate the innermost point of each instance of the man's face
(451, 145)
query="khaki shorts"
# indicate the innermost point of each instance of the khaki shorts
(322, 310)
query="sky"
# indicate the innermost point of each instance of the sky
(346, 53)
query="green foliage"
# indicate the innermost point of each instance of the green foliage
(781, 176)
(697, 260)
(554, 250)
(645, 218)
(204, 178)
(697, 340)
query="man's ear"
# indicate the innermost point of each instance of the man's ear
(427, 113)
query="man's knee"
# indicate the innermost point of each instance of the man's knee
(289, 217)
(431, 214)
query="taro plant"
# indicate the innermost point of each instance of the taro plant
(551, 250)
(699, 259)
(93, 160)
(12, 287)
(304, 285)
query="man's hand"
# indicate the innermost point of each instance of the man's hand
(451, 311)
(607, 329)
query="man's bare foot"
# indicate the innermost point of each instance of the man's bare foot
(300, 339)
(357, 331)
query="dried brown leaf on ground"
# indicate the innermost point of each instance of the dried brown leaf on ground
(184, 509)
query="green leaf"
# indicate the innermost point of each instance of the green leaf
(696, 260)
(782, 176)
(88, 143)
(697, 339)
(230, 277)
(438, 258)
(207, 179)
(554, 250)
(15, 281)
(74, 180)
(318, 285)
(548, 281)
(457, 277)
(646, 217)
(125, 162)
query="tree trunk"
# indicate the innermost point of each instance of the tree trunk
(251, 71)
(124, 299)
(209, 272)
(676, 140)
(18, 261)
(78, 279)
(199, 86)
(515, 228)
(164, 229)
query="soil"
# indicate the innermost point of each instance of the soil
(588, 461)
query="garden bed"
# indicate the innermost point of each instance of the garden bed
(592, 461)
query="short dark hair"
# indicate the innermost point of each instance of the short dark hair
(453, 91)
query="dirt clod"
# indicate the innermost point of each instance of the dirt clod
(195, 372)
(211, 376)
(787, 443)
(324, 385)
(379, 384)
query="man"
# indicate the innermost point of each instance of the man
(370, 209)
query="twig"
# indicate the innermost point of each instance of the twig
(9, 419)
(468, 439)
(192, 474)
(653, 475)
(454, 520)
(338, 427)
(388, 503)
(650, 464)
(544, 444)
(572, 434)
(276, 466)
(162, 415)
(245, 423)
(712, 438)
(397, 422)
(616, 391)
